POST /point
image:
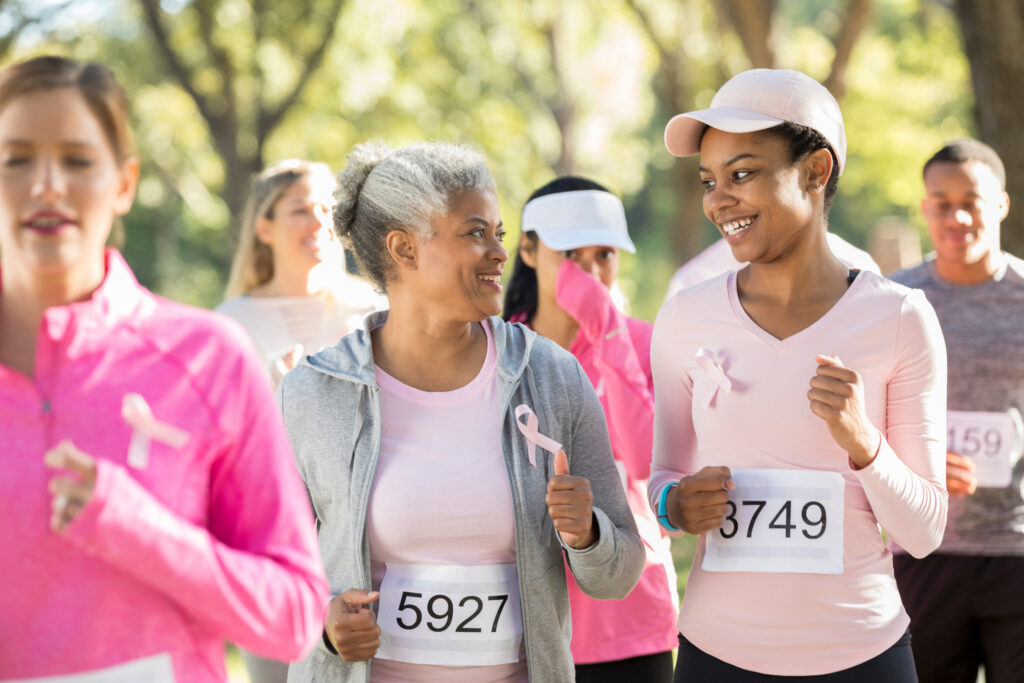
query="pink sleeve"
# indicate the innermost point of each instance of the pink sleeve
(253, 574)
(906, 483)
(675, 440)
(628, 391)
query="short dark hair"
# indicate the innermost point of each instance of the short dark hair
(802, 141)
(967, 149)
(521, 291)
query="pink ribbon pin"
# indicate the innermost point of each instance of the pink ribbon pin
(706, 362)
(137, 414)
(533, 437)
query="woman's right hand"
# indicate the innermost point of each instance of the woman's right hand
(352, 626)
(699, 502)
(960, 478)
(285, 361)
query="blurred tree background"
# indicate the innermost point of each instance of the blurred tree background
(544, 87)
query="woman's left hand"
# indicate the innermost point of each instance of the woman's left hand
(73, 488)
(571, 505)
(837, 397)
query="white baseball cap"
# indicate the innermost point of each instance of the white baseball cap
(757, 100)
(581, 218)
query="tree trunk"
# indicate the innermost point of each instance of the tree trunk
(752, 20)
(673, 86)
(858, 12)
(222, 110)
(993, 35)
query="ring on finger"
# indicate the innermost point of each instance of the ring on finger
(60, 502)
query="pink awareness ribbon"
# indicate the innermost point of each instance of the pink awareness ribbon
(706, 362)
(533, 437)
(145, 427)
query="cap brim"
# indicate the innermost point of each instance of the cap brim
(561, 240)
(684, 131)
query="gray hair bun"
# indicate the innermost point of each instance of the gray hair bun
(361, 162)
(382, 190)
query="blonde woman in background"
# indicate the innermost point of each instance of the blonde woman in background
(280, 293)
(277, 290)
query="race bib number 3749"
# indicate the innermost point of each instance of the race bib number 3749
(780, 521)
(450, 615)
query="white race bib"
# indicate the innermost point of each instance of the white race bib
(780, 521)
(155, 669)
(991, 440)
(450, 615)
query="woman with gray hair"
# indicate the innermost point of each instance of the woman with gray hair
(288, 287)
(445, 530)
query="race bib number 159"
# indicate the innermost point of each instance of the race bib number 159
(780, 521)
(991, 440)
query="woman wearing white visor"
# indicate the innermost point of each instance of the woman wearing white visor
(562, 287)
(800, 407)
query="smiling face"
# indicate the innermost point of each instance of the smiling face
(60, 187)
(759, 199)
(963, 206)
(298, 229)
(458, 268)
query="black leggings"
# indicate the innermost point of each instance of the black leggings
(895, 665)
(656, 668)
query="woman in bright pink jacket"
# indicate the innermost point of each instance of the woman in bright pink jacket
(562, 287)
(152, 509)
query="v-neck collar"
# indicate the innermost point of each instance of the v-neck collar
(772, 340)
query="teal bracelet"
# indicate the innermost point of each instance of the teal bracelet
(663, 509)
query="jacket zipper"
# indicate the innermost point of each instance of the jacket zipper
(364, 499)
(46, 408)
(517, 517)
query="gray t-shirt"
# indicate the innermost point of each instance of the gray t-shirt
(983, 326)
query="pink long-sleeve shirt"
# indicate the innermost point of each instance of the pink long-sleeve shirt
(208, 542)
(614, 351)
(788, 623)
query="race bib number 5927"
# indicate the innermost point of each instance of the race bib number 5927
(780, 521)
(450, 615)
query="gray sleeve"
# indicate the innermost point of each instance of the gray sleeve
(322, 643)
(611, 567)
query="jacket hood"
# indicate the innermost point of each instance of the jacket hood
(351, 359)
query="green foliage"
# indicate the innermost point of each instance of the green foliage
(483, 73)
(909, 93)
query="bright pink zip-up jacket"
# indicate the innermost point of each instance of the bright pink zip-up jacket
(209, 542)
(615, 352)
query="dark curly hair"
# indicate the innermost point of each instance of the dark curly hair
(968, 149)
(802, 141)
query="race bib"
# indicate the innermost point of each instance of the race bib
(991, 440)
(155, 669)
(450, 615)
(787, 521)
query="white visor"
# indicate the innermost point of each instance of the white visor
(584, 218)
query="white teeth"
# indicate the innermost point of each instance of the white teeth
(734, 227)
(490, 278)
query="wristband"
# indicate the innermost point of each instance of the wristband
(663, 511)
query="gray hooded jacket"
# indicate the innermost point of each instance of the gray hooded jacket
(331, 408)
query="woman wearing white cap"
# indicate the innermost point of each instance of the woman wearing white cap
(800, 407)
(573, 230)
